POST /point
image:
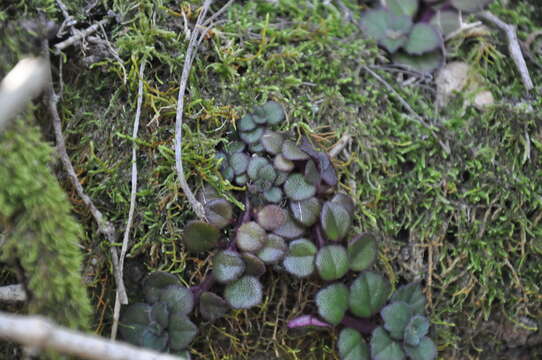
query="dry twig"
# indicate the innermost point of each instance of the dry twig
(104, 226)
(12, 293)
(38, 332)
(513, 47)
(198, 33)
(131, 211)
(78, 35)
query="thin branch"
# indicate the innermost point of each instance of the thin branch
(407, 106)
(126, 238)
(340, 145)
(12, 293)
(80, 35)
(104, 226)
(196, 37)
(38, 332)
(513, 47)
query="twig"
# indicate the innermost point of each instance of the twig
(24, 82)
(462, 28)
(407, 106)
(513, 47)
(339, 146)
(38, 332)
(126, 238)
(104, 226)
(80, 35)
(197, 35)
(12, 293)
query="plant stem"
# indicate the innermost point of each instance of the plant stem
(364, 326)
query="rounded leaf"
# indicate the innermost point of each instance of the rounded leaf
(292, 152)
(274, 113)
(218, 212)
(281, 178)
(300, 258)
(200, 236)
(151, 339)
(274, 250)
(282, 164)
(178, 298)
(332, 302)
(239, 162)
(244, 293)
(254, 166)
(426, 350)
(403, 7)
(228, 173)
(362, 252)
(345, 201)
(251, 137)
(160, 314)
(416, 329)
(332, 262)
(254, 265)
(250, 237)
(425, 63)
(423, 38)
(241, 179)
(297, 188)
(212, 306)
(312, 174)
(368, 294)
(396, 32)
(271, 217)
(470, 5)
(396, 317)
(335, 220)
(272, 142)
(227, 266)
(155, 282)
(235, 147)
(306, 212)
(447, 21)
(384, 348)
(273, 195)
(256, 147)
(181, 331)
(137, 313)
(352, 346)
(411, 294)
(246, 123)
(290, 230)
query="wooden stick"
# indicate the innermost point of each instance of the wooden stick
(513, 47)
(38, 332)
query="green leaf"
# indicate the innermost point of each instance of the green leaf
(254, 166)
(426, 350)
(332, 262)
(246, 123)
(384, 348)
(297, 188)
(181, 331)
(212, 306)
(160, 314)
(235, 146)
(241, 179)
(300, 258)
(137, 313)
(274, 112)
(403, 7)
(274, 250)
(306, 212)
(312, 174)
(251, 137)
(447, 21)
(332, 302)
(244, 293)
(362, 252)
(150, 339)
(227, 266)
(265, 178)
(423, 38)
(425, 63)
(470, 5)
(200, 236)
(352, 346)
(396, 317)
(155, 282)
(257, 147)
(239, 162)
(272, 142)
(282, 164)
(292, 152)
(271, 217)
(290, 230)
(345, 201)
(388, 29)
(282, 176)
(411, 294)
(218, 212)
(335, 221)
(250, 237)
(368, 294)
(273, 195)
(254, 266)
(178, 298)
(416, 329)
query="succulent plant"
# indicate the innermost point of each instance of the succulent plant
(412, 31)
(296, 221)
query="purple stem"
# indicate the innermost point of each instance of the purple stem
(205, 285)
(321, 242)
(306, 320)
(364, 326)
